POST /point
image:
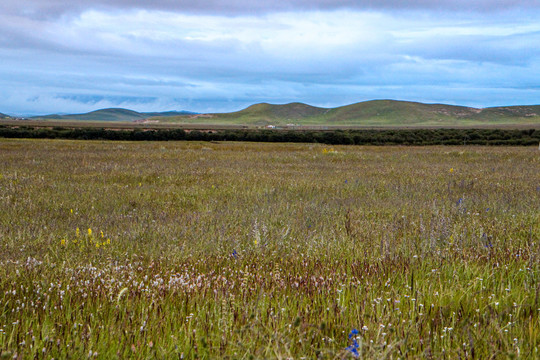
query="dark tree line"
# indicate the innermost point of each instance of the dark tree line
(333, 137)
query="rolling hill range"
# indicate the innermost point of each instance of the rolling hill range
(112, 115)
(368, 113)
(375, 113)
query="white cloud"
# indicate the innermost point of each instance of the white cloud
(206, 62)
(284, 33)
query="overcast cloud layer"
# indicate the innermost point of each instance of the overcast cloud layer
(204, 56)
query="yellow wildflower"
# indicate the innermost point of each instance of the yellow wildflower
(77, 232)
(71, 211)
(63, 241)
(255, 242)
(101, 232)
(89, 232)
(108, 241)
(451, 170)
(97, 245)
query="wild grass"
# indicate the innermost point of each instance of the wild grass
(243, 250)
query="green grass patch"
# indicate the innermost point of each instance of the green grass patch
(242, 250)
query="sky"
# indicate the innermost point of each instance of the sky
(75, 56)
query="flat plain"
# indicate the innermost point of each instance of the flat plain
(244, 250)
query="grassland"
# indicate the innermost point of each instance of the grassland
(243, 250)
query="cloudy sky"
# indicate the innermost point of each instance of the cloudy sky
(212, 56)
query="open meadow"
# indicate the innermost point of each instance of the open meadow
(245, 250)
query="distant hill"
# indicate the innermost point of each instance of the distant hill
(4, 116)
(264, 114)
(112, 114)
(368, 113)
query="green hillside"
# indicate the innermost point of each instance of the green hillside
(368, 113)
(266, 114)
(391, 112)
(112, 114)
(531, 112)
(98, 115)
(4, 116)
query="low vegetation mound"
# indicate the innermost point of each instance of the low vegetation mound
(419, 136)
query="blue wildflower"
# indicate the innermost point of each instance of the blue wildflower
(487, 241)
(354, 347)
(235, 254)
(353, 350)
(460, 204)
